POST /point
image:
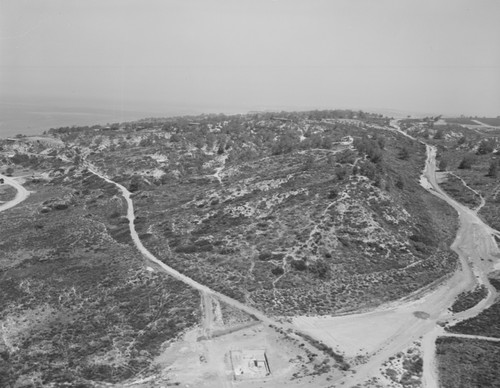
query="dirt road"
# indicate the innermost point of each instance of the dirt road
(176, 274)
(380, 334)
(478, 251)
(388, 330)
(470, 336)
(21, 194)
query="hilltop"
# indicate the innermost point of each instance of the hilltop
(316, 212)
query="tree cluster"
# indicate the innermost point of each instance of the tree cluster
(371, 147)
(467, 162)
(487, 146)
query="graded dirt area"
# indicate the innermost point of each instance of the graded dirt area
(207, 363)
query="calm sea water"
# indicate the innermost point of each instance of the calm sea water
(33, 118)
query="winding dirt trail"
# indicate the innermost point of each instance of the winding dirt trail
(21, 194)
(391, 328)
(474, 244)
(477, 250)
(380, 334)
(176, 274)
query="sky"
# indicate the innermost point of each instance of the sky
(439, 56)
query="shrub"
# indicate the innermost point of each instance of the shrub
(400, 183)
(369, 147)
(486, 146)
(404, 153)
(439, 134)
(285, 144)
(277, 271)
(340, 173)
(186, 249)
(320, 268)
(333, 194)
(493, 170)
(467, 162)
(265, 256)
(299, 265)
(443, 164)
(369, 170)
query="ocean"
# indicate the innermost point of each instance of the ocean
(33, 118)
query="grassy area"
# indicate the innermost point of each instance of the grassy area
(467, 363)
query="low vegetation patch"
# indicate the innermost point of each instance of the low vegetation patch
(468, 363)
(459, 192)
(469, 299)
(7, 193)
(343, 365)
(76, 306)
(494, 278)
(405, 368)
(484, 324)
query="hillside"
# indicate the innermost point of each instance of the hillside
(470, 159)
(292, 213)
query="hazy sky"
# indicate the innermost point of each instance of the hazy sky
(436, 56)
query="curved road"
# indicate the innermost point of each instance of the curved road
(477, 250)
(21, 194)
(176, 274)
